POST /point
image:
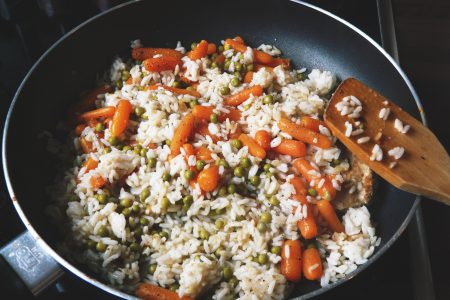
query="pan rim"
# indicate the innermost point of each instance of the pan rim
(67, 265)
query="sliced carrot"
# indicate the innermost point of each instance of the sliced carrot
(239, 39)
(291, 260)
(103, 112)
(291, 147)
(79, 129)
(212, 48)
(174, 90)
(285, 62)
(262, 57)
(208, 179)
(253, 147)
(163, 63)
(233, 115)
(200, 51)
(202, 129)
(326, 190)
(248, 77)
(97, 181)
(238, 46)
(90, 164)
(242, 96)
(203, 153)
(304, 134)
(121, 117)
(311, 123)
(145, 53)
(312, 264)
(203, 113)
(149, 291)
(86, 146)
(182, 134)
(263, 138)
(328, 213)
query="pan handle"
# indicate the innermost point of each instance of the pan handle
(34, 266)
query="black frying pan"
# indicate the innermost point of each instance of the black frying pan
(310, 36)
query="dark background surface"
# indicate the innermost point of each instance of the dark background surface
(423, 34)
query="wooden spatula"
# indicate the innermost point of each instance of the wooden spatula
(423, 169)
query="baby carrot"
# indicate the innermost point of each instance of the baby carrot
(304, 134)
(220, 59)
(97, 181)
(181, 134)
(79, 129)
(208, 179)
(88, 100)
(200, 51)
(237, 99)
(174, 90)
(149, 291)
(162, 63)
(237, 132)
(236, 45)
(202, 129)
(239, 39)
(326, 190)
(203, 153)
(103, 112)
(285, 62)
(203, 113)
(312, 264)
(300, 190)
(291, 260)
(260, 66)
(211, 48)
(121, 117)
(308, 225)
(328, 213)
(262, 57)
(253, 147)
(311, 123)
(262, 137)
(233, 115)
(248, 77)
(291, 147)
(86, 146)
(144, 53)
(90, 164)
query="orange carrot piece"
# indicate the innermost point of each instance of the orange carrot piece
(304, 134)
(248, 77)
(103, 112)
(220, 59)
(203, 113)
(253, 147)
(212, 48)
(79, 129)
(311, 123)
(149, 291)
(291, 147)
(88, 100)
(86, 146)
(260, 66)
(312, 264)
(200, 51)
(202, 129)
(262, 57)
(90, 164)
(181, 134)
(174, 90)
(263, 138)
(145, 53)
(121, 117)
(238, 46)
(97, 182)
(300, 189)
(236, 133)
(291, 260)
(326, 191)
(208, 179)
(237, 99)
(285, 62)
(188, 150)
(203, 153)
(308, 225)
(326, 210)
(233, 115)
(239, 39)
(163, 63)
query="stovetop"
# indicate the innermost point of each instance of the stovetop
(28, 28)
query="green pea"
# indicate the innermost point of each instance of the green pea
(227, 273)
(152, 269)
(226, 47)
(233, 282)
(223, 191)
(263, 259)
(99, 127)
(176, 84)
(102, 198)
(136, 208)
(268, 99)
(224, 90)
(255, 180)
(214, 118)
(138, 232)
(224, 163)
(143, 221)
(301, 76)
(139, 111)
(238, 171)
(250, 67)
(100, 247)
(193, 45)
(266, 217)
(204, 235)
(164, 234)
(113, 140)
(144, 194)
(174, 287)
(144, 117)
(168, 142)
(235, 81)
(166, 177)
(102, 231)
(189, 174)
(193, 103)
(188, 199)
(227, 64)
(231, 189)
(236, 143)
(200, 164)
(240, 218)
(120, 146)
(118, 84)
(126, 202)
(143, 152)
(336, 162)
(165, 203)
(267, 167)
(269, 174)
(312, 192)
(219, 224)
(126, 148)
(237, 74)
(262, 227)
(237, 66)
(134, 247)
(247, 106)
(213, 65)
(126, 211)
(221, 48)
(275, 250)
(151, 162)
(107, 150)
(326, 195)
(274, 200)
(218, 251)
(246, 162)
(220, 211)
